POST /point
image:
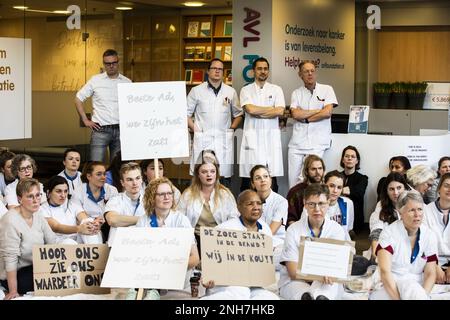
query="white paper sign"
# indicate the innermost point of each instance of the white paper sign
(153, 120)
(149, 258)
(324, 259)
(438, 96)
(15, 88)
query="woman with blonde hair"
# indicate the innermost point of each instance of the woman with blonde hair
(160, 213)
(206, 202)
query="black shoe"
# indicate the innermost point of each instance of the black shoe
(307, 296)
(321, 297)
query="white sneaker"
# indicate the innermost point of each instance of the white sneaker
(131, 294)
(152, 294)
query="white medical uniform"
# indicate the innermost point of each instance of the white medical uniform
(434, 220)
(240, 292)
(294, 289)
(213, 116)
(375, 222)
(407, 275)
(313, 137)
(335, 213)
(261, 141)
(224, 210)
(75, 182)
(94, 208)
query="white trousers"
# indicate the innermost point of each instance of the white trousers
(408, 289)
(295, 164)
(238, 293)
(295, 289)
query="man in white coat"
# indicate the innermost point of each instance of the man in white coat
(264, 104)
(217, 113)
(311, 107)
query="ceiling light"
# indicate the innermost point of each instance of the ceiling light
(194, 4)
(124, 8)
(20, 7)
(61, 11)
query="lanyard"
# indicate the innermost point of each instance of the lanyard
(416, 248)
(312, 232)
(153, 220)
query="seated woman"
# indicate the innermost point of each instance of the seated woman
(385, 212)
(421, 178)
(398, 164)
(160, 213)
(22, 167)
(20, 229)
(206, 202)
(250, 208)
(148, 169)
(66, 218)
(6, 175)
(274, 208)
(112, 173)
(340, 208)
(316, 225)
(436, 218)
(94, 194)
(71, 163)
(443, 168)
(407, 254)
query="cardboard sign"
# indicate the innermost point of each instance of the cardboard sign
(325, 257)
(237, 258)
(60, 270)
(149, 258)
(153, 120)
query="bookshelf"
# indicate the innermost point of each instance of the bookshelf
(151, 48)
(205, 37)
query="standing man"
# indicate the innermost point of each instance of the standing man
(105, 119)
(313, 171)
(311, 107)
(217, 114)
(263, 104)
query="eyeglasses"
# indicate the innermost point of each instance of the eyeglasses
(36, 196)
(164, 194)
(27, 168)
(216, 69)
(109, 64)
(312, 205)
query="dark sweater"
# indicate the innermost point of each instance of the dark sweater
(357, 183)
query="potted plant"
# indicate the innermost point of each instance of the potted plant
(399, 96)
(381, 94)
(416, 95)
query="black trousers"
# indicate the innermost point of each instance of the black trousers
(24, 280)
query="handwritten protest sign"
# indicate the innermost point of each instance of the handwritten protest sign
(60, 270)
(325, 257)
(237, 258)
(153, 120)
(149, 258)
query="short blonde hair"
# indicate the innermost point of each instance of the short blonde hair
(150, 194)
(26, 185)
(420, 174)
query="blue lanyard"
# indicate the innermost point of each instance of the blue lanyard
(153, 220)
(416, 247)
(137, 205)
(312, 232)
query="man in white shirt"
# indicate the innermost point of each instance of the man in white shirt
(125, 209)
(263, 103)
(311, 107)
(217, 113)
(105, 119)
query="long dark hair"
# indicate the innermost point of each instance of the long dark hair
(387, 213)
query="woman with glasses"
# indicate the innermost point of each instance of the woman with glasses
(436, 218)
(407, 254)
(421, 178)
(206, 202)
(22, 167)
(94, 193)
(274, 208)
(66, 218)
(20, 229)
(314, 224)
(160, 213)
(148, 169)
(386, 209)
